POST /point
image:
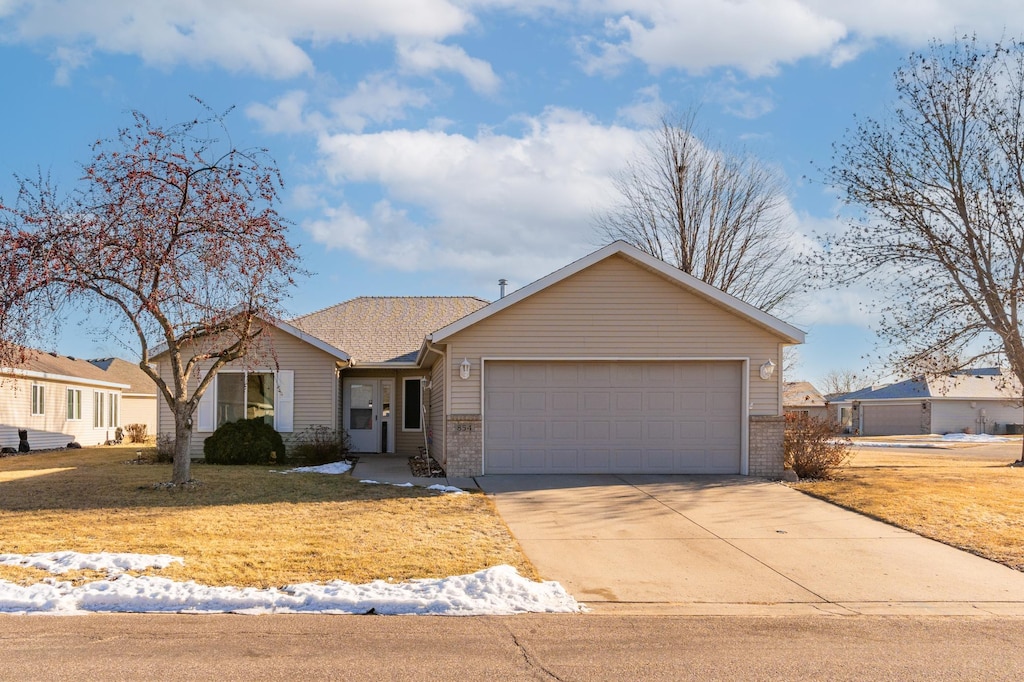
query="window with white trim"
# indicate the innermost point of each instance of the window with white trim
(412, 391)
(38, 400)
(114, 413)
(97, 409)
(245, 395)
(74, 404)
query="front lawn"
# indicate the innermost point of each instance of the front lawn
(244, 526)
(966, 497)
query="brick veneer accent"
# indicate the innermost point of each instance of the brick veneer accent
(464, 445)
(766, 454)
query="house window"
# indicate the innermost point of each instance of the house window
(38, 401)
(74, 404)
(97, 409)
(113, 414)
(245, 395)
(412, 418)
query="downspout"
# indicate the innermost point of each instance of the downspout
(429, 344)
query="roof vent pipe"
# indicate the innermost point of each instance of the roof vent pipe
(502, 283)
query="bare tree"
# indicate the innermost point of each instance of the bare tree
(716, 215)
(170, 232)
(941, 183)
(840, 381)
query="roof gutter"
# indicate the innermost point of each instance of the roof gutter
(64, 378)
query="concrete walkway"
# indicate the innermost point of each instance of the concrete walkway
(395, 469)
(735, 546)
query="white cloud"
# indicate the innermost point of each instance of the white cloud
(741, 102)
(646, 109)
(494, 205)
(758, 36)
(275, 39)
(377, 99)
(426, 58)
(287, 115)
(696, 35)
(238, 35)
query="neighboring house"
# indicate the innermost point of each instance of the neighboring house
(801, 397)
(139, 400)
(58, 399)
(617, 362)
(972, 401)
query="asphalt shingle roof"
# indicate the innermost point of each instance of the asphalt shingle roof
(385, 328)
(51, 363)
(124, 372)
(971, 386)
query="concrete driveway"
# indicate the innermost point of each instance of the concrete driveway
(732, 545)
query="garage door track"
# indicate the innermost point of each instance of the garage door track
(733, 545)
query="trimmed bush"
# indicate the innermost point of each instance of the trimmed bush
(246, 441)
(813, 450)
(318, 445)
(136, 433)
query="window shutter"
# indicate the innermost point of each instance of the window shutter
(284, 407)
(206, 419)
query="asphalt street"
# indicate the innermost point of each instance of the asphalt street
(526, 647)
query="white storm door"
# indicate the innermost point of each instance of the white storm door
(362, 409)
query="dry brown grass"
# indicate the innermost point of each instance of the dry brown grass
(966, 497)
(244, 526)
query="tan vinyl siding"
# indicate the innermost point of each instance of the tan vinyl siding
(406, 442)
(436, 396)
(314, 387)
(614, 309)
(52, 429)
(139, 409)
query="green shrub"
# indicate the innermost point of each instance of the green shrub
(812, 448)
(318, 445)
(246, 441)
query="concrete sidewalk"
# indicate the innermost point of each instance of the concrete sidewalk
(735, 546)
(395, 469)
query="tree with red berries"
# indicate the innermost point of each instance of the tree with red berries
(173, 233)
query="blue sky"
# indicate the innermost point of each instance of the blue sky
(431, 147)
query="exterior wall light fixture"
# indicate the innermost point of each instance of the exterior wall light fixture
(464, 368)
(767, 370)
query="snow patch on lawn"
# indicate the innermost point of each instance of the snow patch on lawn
(974, 438)
(494, 591)
(342, 467)
(62, 562)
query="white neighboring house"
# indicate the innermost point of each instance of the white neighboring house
(139, 400)
(58, 399)
(971, 401)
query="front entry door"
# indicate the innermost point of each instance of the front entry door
(368, 409)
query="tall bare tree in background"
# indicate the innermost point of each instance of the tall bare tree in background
(716, 215)
(841, 381)
(941, 183)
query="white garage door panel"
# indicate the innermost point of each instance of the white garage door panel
(612, 417)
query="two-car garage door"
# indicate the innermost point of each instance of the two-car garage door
(612, 417)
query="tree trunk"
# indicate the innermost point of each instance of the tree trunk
(182, 444)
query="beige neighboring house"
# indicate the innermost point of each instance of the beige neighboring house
(801, 397)
(970, 401)
(58, 399)
(616, 363)
(139, 400)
